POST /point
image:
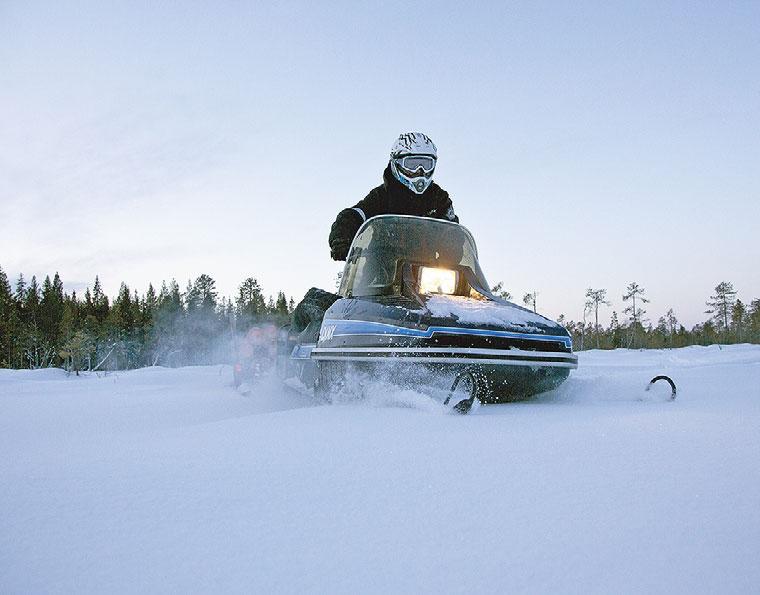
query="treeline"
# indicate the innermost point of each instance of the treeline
(43, 326)
(730, 321)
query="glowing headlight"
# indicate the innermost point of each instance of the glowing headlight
(437, 280)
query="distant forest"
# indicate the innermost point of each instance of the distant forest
(729, 320)
(43, 326)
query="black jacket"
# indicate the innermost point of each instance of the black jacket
(390, 198)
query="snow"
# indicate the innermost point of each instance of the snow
(472, 311)
(168, 480)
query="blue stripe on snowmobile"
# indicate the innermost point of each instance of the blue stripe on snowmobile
(363, 327)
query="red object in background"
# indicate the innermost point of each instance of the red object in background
(255, 354)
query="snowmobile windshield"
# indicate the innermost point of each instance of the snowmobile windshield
(389, 251)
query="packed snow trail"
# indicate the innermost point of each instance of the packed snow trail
(169, 480)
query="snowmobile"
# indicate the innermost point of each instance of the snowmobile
(414, 308)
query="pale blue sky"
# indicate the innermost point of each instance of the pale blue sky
(584, 144)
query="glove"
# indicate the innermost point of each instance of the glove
(342, 233)
(339, 248)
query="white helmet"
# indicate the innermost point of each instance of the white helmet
(413, 159)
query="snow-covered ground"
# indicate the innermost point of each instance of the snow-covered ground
(167, 480)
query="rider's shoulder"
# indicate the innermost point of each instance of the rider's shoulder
(438, 193)
(377, 193)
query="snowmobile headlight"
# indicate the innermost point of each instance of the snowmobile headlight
(437, 280)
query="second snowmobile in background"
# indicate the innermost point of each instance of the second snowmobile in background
(255, 357)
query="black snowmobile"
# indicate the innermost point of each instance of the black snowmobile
(415, 308)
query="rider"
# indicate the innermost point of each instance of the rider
(407, 189)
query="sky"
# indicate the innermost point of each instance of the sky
(585, 145)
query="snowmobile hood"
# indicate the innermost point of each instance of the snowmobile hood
(489, 313)
(400, 321)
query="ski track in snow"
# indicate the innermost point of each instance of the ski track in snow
(168, 480)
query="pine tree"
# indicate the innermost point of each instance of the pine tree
(70, 322)
(76, 351)
(672, 323)
(671, 320)
(97, 324)
(754, 320)
(58, 287)
(31, 339)
(76, 342)
(8, 321)
(149, 304)
(100, 303)
(86, 305)
(203, 324)
(122, 317)
(499, 291)
(720, 305)
(658, 337)
(168, 320)
(32, 299)
(119, 328)
(20, 288)
(170, 298)
(683, 337)
(89, 324)
(706, 333)
(6, 294)
(615, 331)
(529, 299)
(201, 295)
(281, 307)
(51, 315)
(738, 320)
(250, 302)
(147, 310)
(594, 299)
(632, 293)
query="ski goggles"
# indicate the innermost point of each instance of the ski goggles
(410, 164)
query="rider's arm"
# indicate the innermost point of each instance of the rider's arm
(342, 232)
(348, 222)
(444, 207)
